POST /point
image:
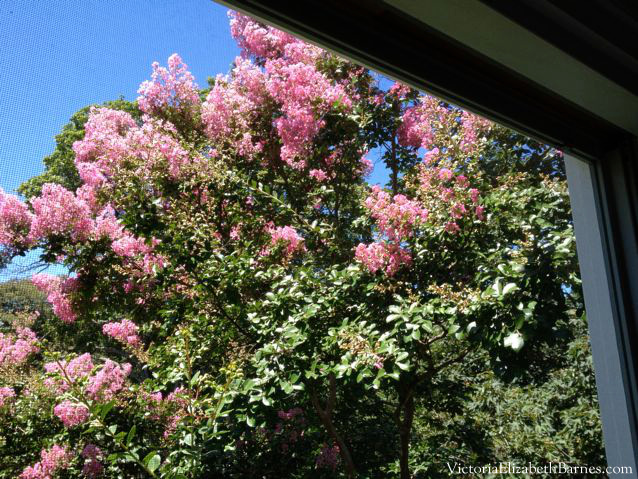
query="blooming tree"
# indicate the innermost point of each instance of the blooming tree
(241, 287)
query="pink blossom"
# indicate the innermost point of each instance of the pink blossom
(396, 217)
(156, 397)
(108, 381)
(328, 457)
(93, 467)
(173, 422)
(125, 332)
(418, 123)
(179, 396)
(452, 228)
(387, 257)
(15, 221)
(57, 290)
(91, 451)
(58, 457)
(472, 126)
(458, 211)
(462, 181)
(480, 213)
(129, 246)
(431, 156)
(304, 94)
(78, 368)
(91, 174)
(290, 414)
(287, 236)
(107, 225)
(71, 414)
(111, 137)
(15, 350)
(173, 88)
(104, 143)
(57, 211)
(5, 394)
(257, 39)
(366, 166)
(318, 175)
(445, 174)
(232, 104)
(235, 232)
(474, 194)
(399, 90)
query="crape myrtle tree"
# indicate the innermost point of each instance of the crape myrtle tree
(242, 303)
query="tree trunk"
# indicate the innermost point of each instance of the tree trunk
(405, 417)
(325, 414)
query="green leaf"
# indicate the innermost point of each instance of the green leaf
(250, 421)
(403, 366)
(106, 409)
(152, 461)
(509, 287)
(130, 435)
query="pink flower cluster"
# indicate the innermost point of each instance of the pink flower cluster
(101, 385)
(5, 394)
(304, 94)
(104, 144)
(71, 414)
(138, 253)
(15, 222)
(290, 414)
(366, 166)
(78, 368)
(57, 211)
(382, 256)
(108, 381)
(293, 81)
(14, 350)
(178, 400)
(52, 460)
(420, 123)
(57, 290)
(287, 237)
(399, 90)
(472, 127)
(232, 104)
(448, 194)
(112, 136)
(257, 39)
(328, 457)
(173, 88)
(395, 217)
(92, 467)
(124, 331)
(318, 175)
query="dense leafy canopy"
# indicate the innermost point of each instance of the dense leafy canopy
(243, 304)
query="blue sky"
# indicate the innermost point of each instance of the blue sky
(57, 57)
